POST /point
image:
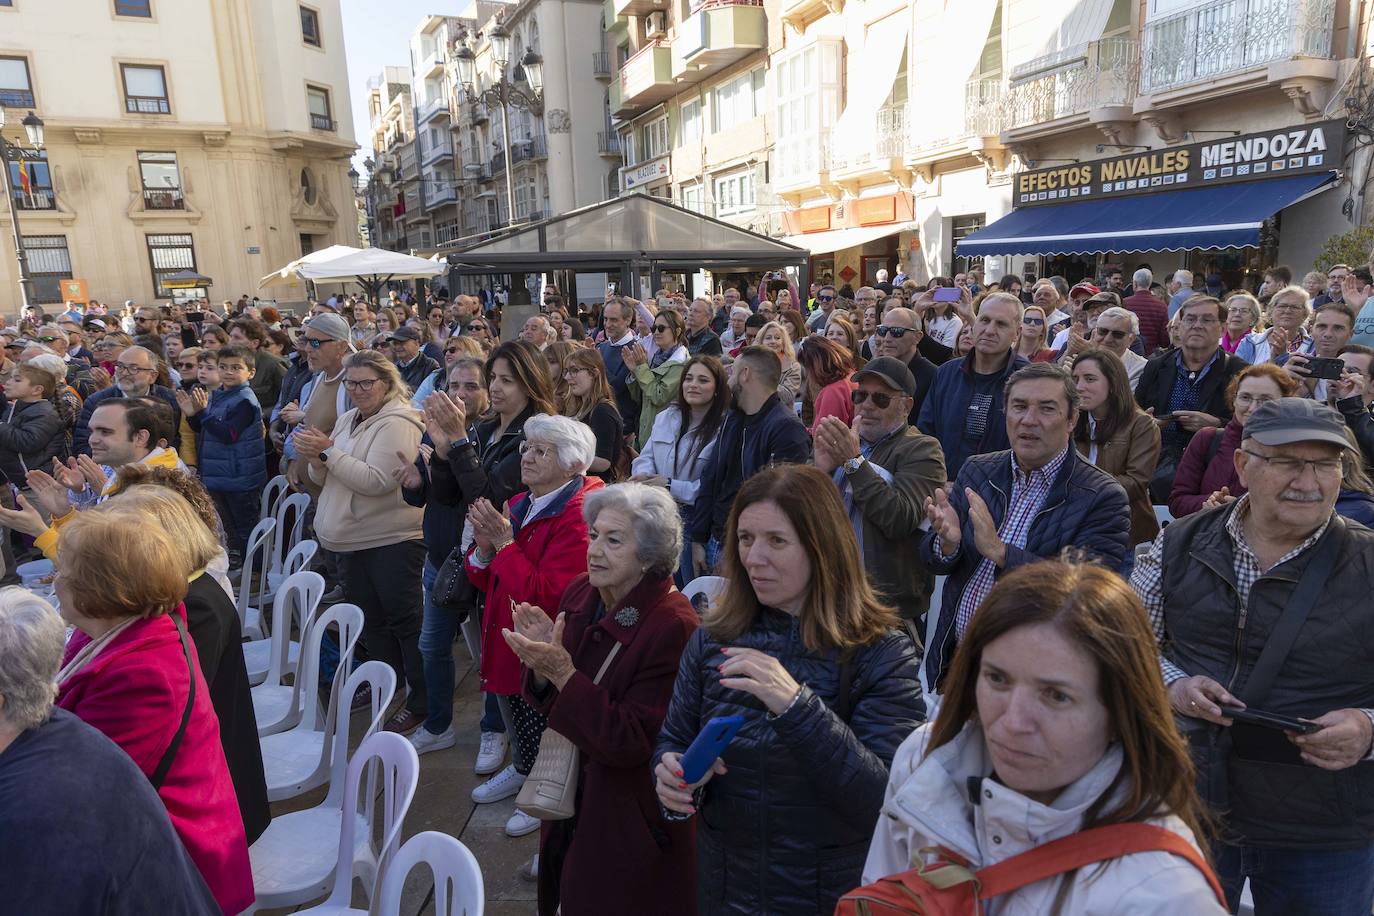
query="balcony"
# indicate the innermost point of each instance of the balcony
(801, 162)
(498, 162)
(440, 191)
(613, 22)
(717, 34)
(1060, 91)
(528, 150)
(144, 104)
(608, 144)
(636, 7)
(646, 79)
(432, 64)
(932, 133)
(851, 157)
(434, 108)
(801, 13)
(1227, 37)
(601, 65)
(163, 199)
(321, 122)
(437, 152)
(36, 199)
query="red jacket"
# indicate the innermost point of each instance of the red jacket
(1193, 483)
(135, 691)
(548, 552)
(1154, 319)
(615, 725)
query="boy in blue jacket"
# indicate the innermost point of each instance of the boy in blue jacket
(233, 450)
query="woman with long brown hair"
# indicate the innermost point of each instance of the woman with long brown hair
(587, 397)
(1054, 721)
(827, 366)
(803, 649)
(842, 331)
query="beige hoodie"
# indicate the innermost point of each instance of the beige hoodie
(361, 506)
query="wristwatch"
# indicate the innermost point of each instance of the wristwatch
(324, 457)
(853, 464)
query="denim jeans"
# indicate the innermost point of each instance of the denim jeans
(436, 649)
(714, 548)
(238, 511)
(1292, 881)
(685, 573)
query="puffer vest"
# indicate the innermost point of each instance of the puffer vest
(1330, 667)
(233, 467)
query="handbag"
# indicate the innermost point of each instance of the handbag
(452, 590)
(550, 791)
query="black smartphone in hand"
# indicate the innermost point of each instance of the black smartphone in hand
(1270, 720)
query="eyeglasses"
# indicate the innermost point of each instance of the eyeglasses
(825, 298)
(894, 333)
(1321, 467)
(661, 329)
(1197, 320)
(186, 367)
(1248, 398)
(315, 343)
(130, 370)
(573, 370)
(540, 451)
(1286, 306)
(451, 349)
(1033, 322)
(880, 400)
(360, 384)
(1107, 332)
(474, 328)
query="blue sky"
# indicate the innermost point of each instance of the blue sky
(377, 33)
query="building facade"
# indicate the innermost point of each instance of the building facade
(394, 206)
(211, 136)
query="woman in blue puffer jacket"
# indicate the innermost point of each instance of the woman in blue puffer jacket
(828, 686)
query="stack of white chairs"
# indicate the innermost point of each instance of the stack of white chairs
(278, 706)
(269, 660)
(290, 518)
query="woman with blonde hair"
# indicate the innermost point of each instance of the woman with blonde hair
(1033, 341)
(587, 397)
(775, 336)
(801, 647)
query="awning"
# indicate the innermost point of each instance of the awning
(1225, 216)
(834, 240)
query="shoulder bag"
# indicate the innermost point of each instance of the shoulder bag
(169, 756)
(550, 791)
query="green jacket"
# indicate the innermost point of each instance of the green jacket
(655, 389)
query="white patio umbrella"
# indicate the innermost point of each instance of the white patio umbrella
(287, 275)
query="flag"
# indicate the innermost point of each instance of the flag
(24, 184)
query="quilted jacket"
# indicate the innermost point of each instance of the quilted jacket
(787, 828)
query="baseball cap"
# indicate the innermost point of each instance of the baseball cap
(404, 332)
(1108, 298)
(50, 330)
(333, 327)
(1290, 420)
(1083, 289)
(95, 323)
(892, 371)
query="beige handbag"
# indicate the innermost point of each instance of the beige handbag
(550, 791)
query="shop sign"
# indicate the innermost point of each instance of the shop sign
(869, 211)
(1305, 149)
(636, 176)
(813, 219)
(74, 290)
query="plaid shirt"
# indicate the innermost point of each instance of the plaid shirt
(1028, 492)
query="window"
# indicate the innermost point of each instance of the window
(15, 89)
(691, 122)
(627, 148)
(735, 193)
(656, 139)
(310, 26)
(168, 254)
(32, 182)
(692, 198)
(318, 100)
(807, 99)
(309, 193)
(145, 89)
(141, 8)
(161, 181)
(737, 101)
(960, 227)
(49, 264)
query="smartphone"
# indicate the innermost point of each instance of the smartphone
(947, 294)
(1324, 367)
(1271, 720)
(195, 317)
(708, 745)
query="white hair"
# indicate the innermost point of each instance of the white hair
(1117, 311)
(1142, 278)
(32, 639)
(655, 523)
(1293, 292)
(882, 275)
(1184, 276)
(740, 311)
(573, 441)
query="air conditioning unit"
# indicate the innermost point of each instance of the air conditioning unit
(656, 25)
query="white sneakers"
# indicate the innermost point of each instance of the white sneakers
(530, 870)
(521, 824)
(501, 786)
(491, 752)
(424, 740)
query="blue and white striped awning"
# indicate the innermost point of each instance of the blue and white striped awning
(1225, 216)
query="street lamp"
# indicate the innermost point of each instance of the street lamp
(503, 93)
(9, 152)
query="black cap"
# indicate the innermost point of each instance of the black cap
(404, 332)
(892, 371)
(1290, 420)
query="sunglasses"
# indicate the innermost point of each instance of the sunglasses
(825, 298)
(1114, 335)
(315, 343)
(880, 400)
(661, 329)
(1034, 322)
(49, 339)
(186, 367)
(476, 327)
(894, 333)
(450, 349)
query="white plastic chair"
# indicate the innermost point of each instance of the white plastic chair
(290, 518)
(270, 660)
(277, 706)
(710, 586)
(256, 556)
(271, 495)
(458, 889)
(1163, 515)
(301, 557)
(312, 754)
(304, 853)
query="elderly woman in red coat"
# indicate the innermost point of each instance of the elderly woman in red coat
(131, 671)
(529, 555)
(626, 602)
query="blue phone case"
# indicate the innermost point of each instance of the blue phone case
(708, 745)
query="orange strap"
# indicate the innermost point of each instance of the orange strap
(1096, 845)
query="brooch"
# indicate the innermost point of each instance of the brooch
(627, 616)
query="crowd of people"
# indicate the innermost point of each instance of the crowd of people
(1199, 691)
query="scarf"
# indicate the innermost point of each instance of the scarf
(93, 648)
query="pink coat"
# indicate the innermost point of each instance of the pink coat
(135, 691)
(834, 400)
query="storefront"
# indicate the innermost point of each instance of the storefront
(1219, 208)
(852, 240)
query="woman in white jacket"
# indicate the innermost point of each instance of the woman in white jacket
(683, 439)
(1054, 720)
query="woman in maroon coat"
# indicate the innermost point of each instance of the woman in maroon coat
(1208, 465)
(617, 854)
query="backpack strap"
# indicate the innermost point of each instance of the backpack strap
(1213, 444)
(1084, 848)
